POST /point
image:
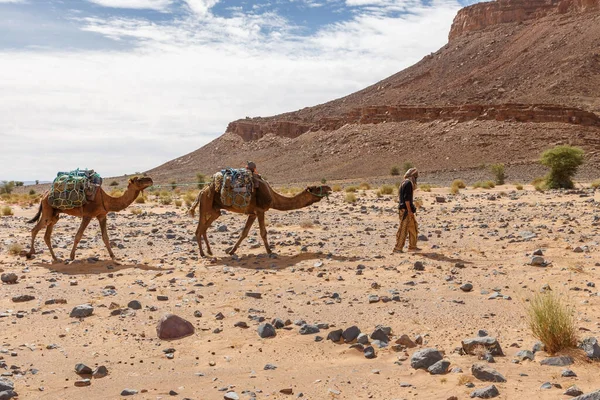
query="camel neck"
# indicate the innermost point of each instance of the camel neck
(284, 203)
(120, 203)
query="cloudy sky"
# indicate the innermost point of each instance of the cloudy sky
(124, 85)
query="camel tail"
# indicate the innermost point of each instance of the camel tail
(192, 210)
(37, 216)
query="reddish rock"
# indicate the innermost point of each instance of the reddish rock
(172, 327)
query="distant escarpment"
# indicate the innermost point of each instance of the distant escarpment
(254, 129)
(483, 15)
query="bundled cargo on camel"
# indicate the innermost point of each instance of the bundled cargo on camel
(235, 186)
(74, 188)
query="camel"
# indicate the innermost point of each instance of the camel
(263, 199)
(47, 216)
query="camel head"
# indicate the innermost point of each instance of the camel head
(319, 191)
(140, 183)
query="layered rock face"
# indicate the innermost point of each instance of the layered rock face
(538, 113)
(483, 15)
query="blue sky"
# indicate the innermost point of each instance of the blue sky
(125, 85)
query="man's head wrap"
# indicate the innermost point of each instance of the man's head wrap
(412, 174)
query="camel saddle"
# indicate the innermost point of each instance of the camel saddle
(74, 189)
(236, 187)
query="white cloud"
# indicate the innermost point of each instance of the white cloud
(159, 5)
(201, 7)
(127, 111)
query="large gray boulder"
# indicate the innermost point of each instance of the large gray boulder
(490, 344)
(82, 311)
(487, 392)
(425, 358)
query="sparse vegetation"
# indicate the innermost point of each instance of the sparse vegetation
(498, 171)
(395, 170)
(114, 183)
(563, 161)
(350, 198)
(15, 249)
(323, 181)
(141, 199)
(178, 203)
(189, 198)
(595, 184)
(425, 187)
(136, 210)
(484, 185)
(173, 185)
(518, 186)
(307, 224)
(351, 189)
(552, 321)
(201, 179)
(459, 183)
(116, 193)
(32, 192)
(336, 188)
(539, 184)
(386, 190)
(7, 211)
(406, 166)
(364, 186)
(7, 187)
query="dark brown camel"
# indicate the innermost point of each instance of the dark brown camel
(263, 199)
(47, 216)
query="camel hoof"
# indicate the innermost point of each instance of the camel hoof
(29, 256)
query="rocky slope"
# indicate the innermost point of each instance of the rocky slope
(532, 66)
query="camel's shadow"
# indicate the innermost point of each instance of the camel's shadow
(275, 261)
(81, 267)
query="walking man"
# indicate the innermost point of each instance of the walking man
(407, 210)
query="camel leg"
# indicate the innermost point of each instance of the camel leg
(44, 220)
(102, 221)
(249, 222)
(203, 226)
(48, 236)
(263, 230)
(85, 221)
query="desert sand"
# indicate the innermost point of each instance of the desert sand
(328, 260)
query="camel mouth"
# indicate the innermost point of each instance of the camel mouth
(319, 191)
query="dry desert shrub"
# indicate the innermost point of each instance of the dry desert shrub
(484, 185)
(15, 249)
(364, 186)
(425, 187)
(189, 198)
(116, 193)
(141, 199)
(459, 183)
(136, 211)
(351, 189)
(336, 188)
(386, 190)
(498, 171)
(178, 203)
(518, 186)
(464, 379)
(552, 321)
(307, 224)
(350, 198)
(395, 170)
(595, 184)
(7, 211)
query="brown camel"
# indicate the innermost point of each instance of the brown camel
(263, 199)
(102, 204)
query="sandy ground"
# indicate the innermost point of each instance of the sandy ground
(491, 232)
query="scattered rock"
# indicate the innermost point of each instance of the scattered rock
(9, 278)
(335, 336)
(425, 358)
(467, 287)
(266, 331)
(100, 372)
(439, 368)
(573, 391)
(128, 392)
(134, 305)
(172, 327)
(490, 343)
(486, 374)
(487, 392)
(591, 348)
(82, 369)
(560, 361)
(23, 298)
(82, 311)
(307, 329)
(350, 334)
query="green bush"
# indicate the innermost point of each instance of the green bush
(395, 170)
(114, 183)
(552, 321)
(201, 179)
(406, 166)
(498, 171)
(563, 161)
(7, 187)
(323, 181)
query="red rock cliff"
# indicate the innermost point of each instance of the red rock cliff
(482, 15)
